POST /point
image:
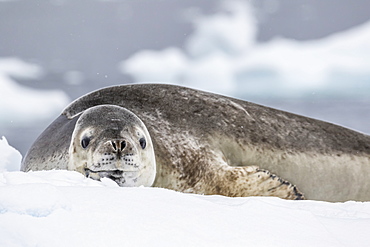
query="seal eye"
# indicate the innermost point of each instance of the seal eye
(142, 142)
(85, 142)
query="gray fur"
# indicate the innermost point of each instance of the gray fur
(212, 144)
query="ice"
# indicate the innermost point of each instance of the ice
(20, 105)
(175, 60)
(223, 32)
(222, 55)
(64, 208)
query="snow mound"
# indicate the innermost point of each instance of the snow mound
(10, 158)
(222, 55)
(20, 105)
(64, 208)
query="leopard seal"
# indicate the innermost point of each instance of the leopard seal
(193, 141)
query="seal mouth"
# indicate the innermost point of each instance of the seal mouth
(117, 176)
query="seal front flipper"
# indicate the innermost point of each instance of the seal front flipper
(252, 181)
(276, 186)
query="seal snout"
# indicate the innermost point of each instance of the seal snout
(115, 155)
(118, 145)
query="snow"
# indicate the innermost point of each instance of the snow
(64, 208)
(10, 158)
(20, 105)
(222, 55)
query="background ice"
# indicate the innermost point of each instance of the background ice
(223, 50)
(20, 105)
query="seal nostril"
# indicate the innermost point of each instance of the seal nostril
(123, 145)
(114, 145)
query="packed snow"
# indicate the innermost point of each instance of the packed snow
(222, 55)
(20, 105)
(64, 208)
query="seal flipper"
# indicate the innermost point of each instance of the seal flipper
(278, 185)
(252, 181)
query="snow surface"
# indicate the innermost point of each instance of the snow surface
(222, 55)
(10, 158)
(20, 105)
(64, 208)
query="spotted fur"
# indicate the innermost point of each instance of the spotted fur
(208, 144)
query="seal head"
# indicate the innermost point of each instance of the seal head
(111, 141)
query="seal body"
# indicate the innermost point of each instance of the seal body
(204, 143)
